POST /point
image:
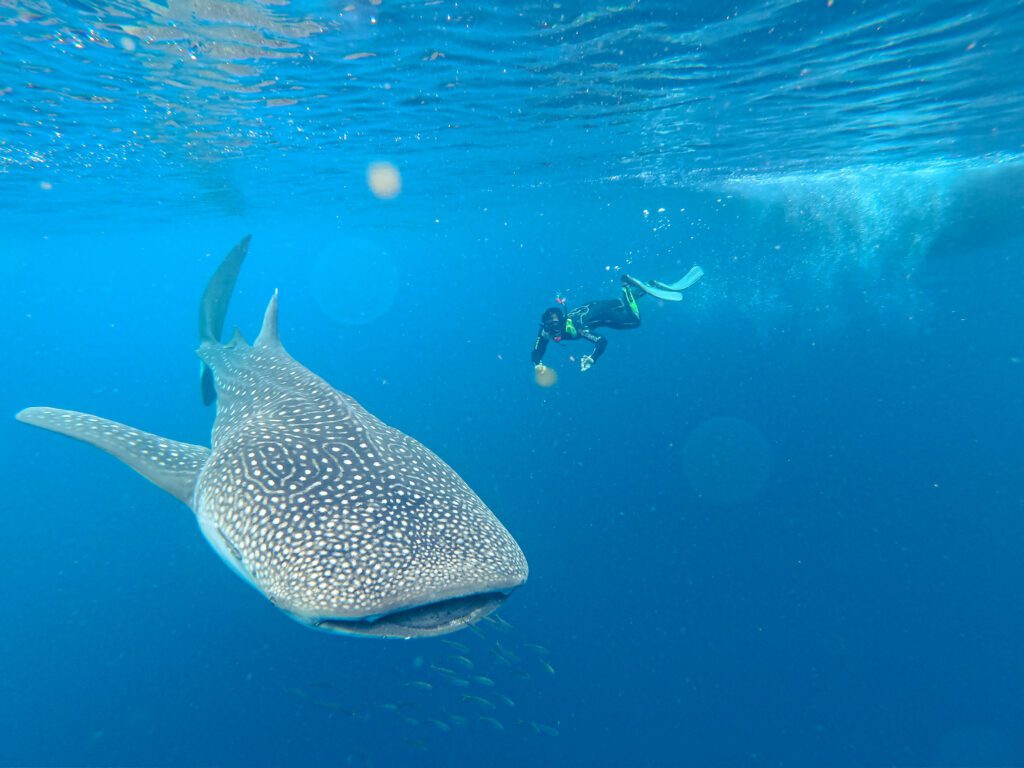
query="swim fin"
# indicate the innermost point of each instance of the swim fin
(654, 289)
(691, 277)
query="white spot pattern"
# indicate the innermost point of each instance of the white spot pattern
(333, 512)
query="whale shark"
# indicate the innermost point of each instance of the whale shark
(343, 522)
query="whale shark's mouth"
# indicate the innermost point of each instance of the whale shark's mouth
(427, 620)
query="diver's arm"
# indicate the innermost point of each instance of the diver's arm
(539, 347)
(599, 342)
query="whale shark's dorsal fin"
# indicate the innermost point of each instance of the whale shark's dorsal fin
(236, 340)
(268, 333)
(214, 308)
(169, 464)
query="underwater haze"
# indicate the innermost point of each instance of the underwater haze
(780, 524)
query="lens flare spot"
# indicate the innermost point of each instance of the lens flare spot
(384, 180)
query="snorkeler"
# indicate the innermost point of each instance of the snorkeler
(620, 314)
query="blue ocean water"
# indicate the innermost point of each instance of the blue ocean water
(779, 524)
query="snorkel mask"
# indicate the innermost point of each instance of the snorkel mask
(552, 322)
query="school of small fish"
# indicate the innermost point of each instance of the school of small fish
(482, 704)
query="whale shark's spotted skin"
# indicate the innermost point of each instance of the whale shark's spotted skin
(343, 522)
(331, 511)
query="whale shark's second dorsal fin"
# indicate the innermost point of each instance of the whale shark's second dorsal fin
(169, 464)
(268, 333)
(214, 308)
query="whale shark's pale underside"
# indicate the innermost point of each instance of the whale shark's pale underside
(343, 522)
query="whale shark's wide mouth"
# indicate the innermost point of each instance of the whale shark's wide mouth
(427, 620)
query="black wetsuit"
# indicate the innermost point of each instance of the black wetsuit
(581, 322)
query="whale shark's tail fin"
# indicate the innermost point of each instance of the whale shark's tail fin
(214, 308)
(169, 464)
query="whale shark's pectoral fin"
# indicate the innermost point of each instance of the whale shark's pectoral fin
(169, 464)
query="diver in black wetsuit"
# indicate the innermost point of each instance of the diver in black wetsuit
(619, 314)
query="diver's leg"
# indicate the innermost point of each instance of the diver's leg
(636, 286)
(625, 321)
(630, 294)
(614, 313)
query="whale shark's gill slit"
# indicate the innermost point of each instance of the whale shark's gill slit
(436, 618)
(231, 548)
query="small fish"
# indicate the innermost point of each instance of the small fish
(504, 700)
(444, 670)
(458, 682)
(510, 655)
(547, 730)
(501, 622)
(548, 667)
(482, 680)
(419, 685)
(389, 707)
(475, 630)
(457, 719)
(536, 648)
(522, 673)
(493, 722)
(339, 708)
(530, 724)
(461, 660)
(499, 658)
(298, 692)
(456, 645)
(409, 720)
(417, 744)
(320, 684)
(441, 725)
(479, 700)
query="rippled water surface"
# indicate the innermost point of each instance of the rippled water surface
(225, 98)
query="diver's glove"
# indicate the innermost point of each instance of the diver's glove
(540, 368)
(585, 362)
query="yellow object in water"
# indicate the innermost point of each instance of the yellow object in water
(545, 376)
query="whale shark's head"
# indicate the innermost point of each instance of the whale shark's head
(415, 559)
(344, 522)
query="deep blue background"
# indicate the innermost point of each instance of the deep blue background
(863, 608)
